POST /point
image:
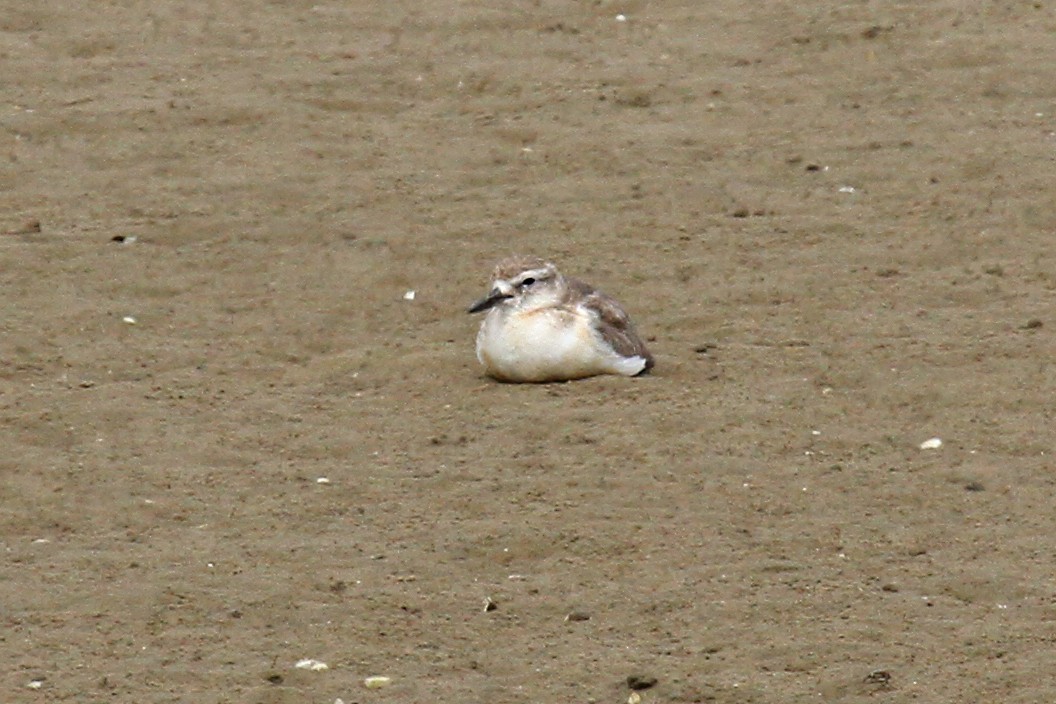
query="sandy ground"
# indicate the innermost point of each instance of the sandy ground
(833, 221)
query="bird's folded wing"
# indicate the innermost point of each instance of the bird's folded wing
(612, 322)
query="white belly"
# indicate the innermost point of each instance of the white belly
(546, 345)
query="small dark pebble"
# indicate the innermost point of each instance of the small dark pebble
(118, 238)
(881, 677)
(974, 486)
(890, 587)
(874, 31)
(28, 228)
(705, 348)
(640, 682)
(813, 167)
(490, 605)
(741, 213)
(577, 616)
(274, 679)
(1032, 324)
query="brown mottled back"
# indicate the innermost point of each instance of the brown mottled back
(614, 324)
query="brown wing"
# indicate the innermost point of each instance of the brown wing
(614, 324)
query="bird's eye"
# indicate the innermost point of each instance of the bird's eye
(528, 282)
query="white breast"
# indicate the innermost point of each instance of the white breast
(550, 344)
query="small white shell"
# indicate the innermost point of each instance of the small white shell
(377, 682)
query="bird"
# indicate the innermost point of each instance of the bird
(542, 326)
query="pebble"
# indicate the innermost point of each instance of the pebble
(377, 682)
(640, 682)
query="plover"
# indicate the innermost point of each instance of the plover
(543, 326)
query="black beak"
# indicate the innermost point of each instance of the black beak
(487, 302)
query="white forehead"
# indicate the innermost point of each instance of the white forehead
(538, 273)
